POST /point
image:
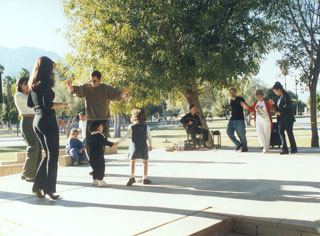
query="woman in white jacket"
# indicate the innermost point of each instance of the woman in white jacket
(27, 114)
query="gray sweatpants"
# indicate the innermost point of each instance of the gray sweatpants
(33, 157)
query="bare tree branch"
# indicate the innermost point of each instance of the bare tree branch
(300, 33)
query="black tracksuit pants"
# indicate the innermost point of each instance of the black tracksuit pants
(98, 166)
(289, 128)
(46, 128)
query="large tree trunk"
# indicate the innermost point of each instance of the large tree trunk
(313, 113)
(192, 96)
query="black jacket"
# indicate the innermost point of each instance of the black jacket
(96, 144)
(285, 109)
(196, 122)
(41, 99)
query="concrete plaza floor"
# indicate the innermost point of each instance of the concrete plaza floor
(263, 186)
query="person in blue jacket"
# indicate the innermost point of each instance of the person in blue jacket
(76, 149)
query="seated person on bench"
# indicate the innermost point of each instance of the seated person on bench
(191, 122)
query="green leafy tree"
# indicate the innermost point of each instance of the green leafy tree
(155, 47)
(299, 40)
(9, 112)
(24, 73)
(76, 104)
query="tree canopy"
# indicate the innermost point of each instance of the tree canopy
(156, 47)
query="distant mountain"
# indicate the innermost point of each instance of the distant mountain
(15, 59)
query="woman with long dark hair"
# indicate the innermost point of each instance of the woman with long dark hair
(27, 114)
(285, 118)
(45, 125)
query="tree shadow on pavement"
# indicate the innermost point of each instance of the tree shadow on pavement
(247, 189)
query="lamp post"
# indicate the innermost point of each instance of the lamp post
(8, 104)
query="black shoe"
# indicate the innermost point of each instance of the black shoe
(53, 196)
(238, 148)
(91, 173)
(38, 194)
(146, 181)
(284, 152)
(293, 151)
(244, 150)
(23, 177)
(131, 181)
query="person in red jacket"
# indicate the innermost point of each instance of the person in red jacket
(262, 117)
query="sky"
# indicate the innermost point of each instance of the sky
(40, 23)
(33, 23)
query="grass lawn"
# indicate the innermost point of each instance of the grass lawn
(175, 134)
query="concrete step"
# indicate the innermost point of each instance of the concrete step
(256, 226)
(201, 223)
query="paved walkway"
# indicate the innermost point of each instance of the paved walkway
(270, 186)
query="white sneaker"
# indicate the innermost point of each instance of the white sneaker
(95, 182)
(101, 183)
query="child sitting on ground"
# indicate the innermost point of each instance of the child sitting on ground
(96, 144)
(76, 149)
(138, 148)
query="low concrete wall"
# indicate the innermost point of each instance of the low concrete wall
(15, 166)
(65, 160)
(10, 169)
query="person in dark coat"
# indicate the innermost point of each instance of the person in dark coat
(45, 125)
(192, 123)
(285, 118)
(138, 148)
(97, 142)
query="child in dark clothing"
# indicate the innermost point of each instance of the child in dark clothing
(138, 148)
(75, 148)
(96, 144)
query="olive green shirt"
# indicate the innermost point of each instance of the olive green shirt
(97, 99)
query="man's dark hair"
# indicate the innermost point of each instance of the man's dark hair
(233, 89)
(191, 106)
(94, 125)
(96, 74)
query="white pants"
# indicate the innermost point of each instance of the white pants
(264, 132)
